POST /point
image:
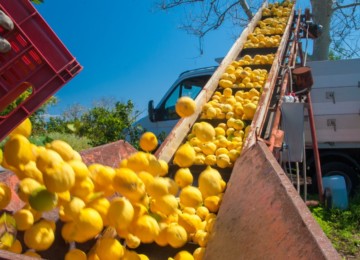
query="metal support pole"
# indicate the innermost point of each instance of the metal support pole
(315, 148)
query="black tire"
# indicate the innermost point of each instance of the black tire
(339, 168)
(327, 198)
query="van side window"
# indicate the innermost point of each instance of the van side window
(185, 88)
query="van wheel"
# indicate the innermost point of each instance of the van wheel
(342, 169)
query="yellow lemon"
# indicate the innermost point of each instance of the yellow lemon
(43, 200)
(202, 212)
(46, 158)
(75, 254)
(148, 141)
(109, 248)
(24, 128)
(185, 106)
(59, 178)
(146, 229)
(159, 187)
(184, 156)
(146, 177)
(223, 160)
(201, 238)
(127, 183)
(16, 247)
(210, 159)
(83, 189)
(101, 174)
(190, 222)
(210, 182)
(183, 255)
(80, 169)
(120, 213)
(138, 161)
(18, 151)
(68, 231)
(101, 205)
(5, 195)
(176, 235)
(24, 219)
(88, 225)
(212, 203)
(204, 131)
(199, 253)
(167, 204)
(132, 241)
(62, 148)
(161, 239)
(72, 208)
(190, 196)
(183, 177)
(40, 236)
(208, 148)
(30, 170)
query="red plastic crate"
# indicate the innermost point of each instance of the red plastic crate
(38, 59)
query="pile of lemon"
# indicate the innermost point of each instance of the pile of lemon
(136, 200)
(278, 10)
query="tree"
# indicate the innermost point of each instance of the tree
(339, 20)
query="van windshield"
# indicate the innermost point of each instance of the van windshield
(189, 87)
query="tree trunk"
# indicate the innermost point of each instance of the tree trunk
(322, 12)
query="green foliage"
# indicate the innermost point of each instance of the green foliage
(76, 142)
(104, 123)
(342, 227)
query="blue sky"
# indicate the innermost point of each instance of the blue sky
(129, 50)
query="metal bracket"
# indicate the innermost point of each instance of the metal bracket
(330, 95)
(332, 122)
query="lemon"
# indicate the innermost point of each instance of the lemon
(204, 131)
(183, 177)
(210, 182)
(161, 239)
(212, 203)
(185, 106)
(176, 235)
(101, 205)
(62, 148)
(183, 255)
(146, 229)
(18, 151)
(173, 187)
(88, 225)
(201, 238)
(208, 148)
(120, 213)
(24, 128)
(249, 110)
(148, 141)
(30, 170)
(109, 248)
(167, 204)
(46, 158)
(59, 178)
(101, 174)
(132, 241)
(16, 247)
(80, 169)
(24, 219)
(128, 184)
(36, 214)
(223, 161)
(154, 167)
(68, 231)
(202, 212)
(190, 196)
(83, 189)
(199, 253)
(138, 161)
(130, 255)
(210, 159)
(143, 257)
(5, 195)
(185, 155)
(190, 222)
(43, 200)
(164, 167)
(32, 254)
(72, 208)
(75, 254)
(146, 177)
(40, 236)
(158, 187)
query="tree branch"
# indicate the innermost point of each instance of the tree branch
(344, 6)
